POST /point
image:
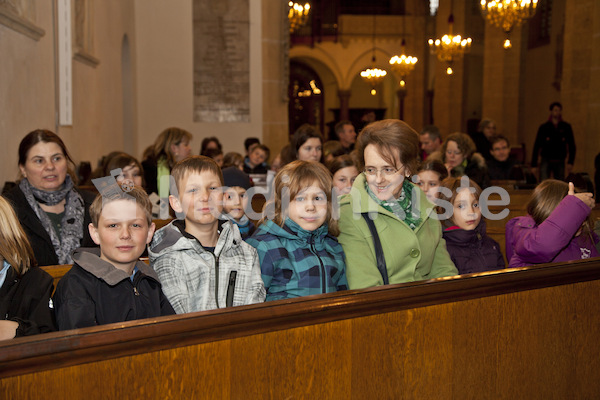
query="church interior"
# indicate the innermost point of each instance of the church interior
(110, 75)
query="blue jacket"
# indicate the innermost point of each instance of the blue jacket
(295, 262)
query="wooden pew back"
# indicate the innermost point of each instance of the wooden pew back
(529, 333)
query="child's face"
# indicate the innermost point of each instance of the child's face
(467, 213)
(235, 202)
(131, 173)
(309, 208)
(219, 159)
(200, 198)
(344, 178)
(428, 182)
(257, 157)
(122, 233)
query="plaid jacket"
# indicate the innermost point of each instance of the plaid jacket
(295, 262)
(189, 273)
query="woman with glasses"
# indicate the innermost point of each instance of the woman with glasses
(388, 228)
(460, 158)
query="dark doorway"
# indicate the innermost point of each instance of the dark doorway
(305, 92)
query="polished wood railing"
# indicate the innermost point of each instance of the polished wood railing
(520, 333)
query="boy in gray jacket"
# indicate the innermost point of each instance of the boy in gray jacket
(202, 262)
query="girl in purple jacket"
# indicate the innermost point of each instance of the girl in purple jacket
(469, 246)
(557, 228)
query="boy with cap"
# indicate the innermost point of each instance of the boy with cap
(235, 200)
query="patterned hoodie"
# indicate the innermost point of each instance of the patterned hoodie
(188, 272)
(296, 262)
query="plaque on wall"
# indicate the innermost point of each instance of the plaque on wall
(221, 61)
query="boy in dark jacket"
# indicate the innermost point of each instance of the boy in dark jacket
(110, 284)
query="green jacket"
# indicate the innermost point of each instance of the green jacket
(409, 255)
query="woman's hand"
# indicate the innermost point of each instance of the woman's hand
(8, 329)
(587, 198)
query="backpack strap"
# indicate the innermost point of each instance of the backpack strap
(381, 265)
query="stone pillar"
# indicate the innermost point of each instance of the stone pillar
(275, 73)
(401, 95)
(501, 82)
(580, 89)
(344, 96)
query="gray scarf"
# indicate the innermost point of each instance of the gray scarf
(71, 231)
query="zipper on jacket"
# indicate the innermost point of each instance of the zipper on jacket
(216, 279)
(323, 275)
(230, 289)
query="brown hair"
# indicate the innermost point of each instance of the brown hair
(194, 164)
(302, 134)
(122, 160)
(108, 195)
(454, 184)
(168, 137)
(484, 124)
(334, 148)
(14, 244)
(295, 177)
(391, 136)
(233, 159)
(464, 143)
(341, 162)
(544, 199)
(45, 136)
(436, 166)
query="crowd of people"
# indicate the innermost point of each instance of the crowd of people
(386, 206)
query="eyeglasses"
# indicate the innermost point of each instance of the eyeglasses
(387, 171)
(456, 152)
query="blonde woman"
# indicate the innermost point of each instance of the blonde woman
(25, 289)
(171, 146)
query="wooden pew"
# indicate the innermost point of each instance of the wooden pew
(529, 333)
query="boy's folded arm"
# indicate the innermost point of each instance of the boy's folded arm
(173, 278)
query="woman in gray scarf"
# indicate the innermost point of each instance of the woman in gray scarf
(53, 213)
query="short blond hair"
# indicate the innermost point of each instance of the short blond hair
(136, 194)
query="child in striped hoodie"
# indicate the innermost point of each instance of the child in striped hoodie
(297, 246)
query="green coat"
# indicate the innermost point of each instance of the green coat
(409, 255)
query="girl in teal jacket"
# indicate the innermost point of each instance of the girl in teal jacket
(299, 254)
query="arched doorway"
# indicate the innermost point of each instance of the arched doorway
(306, 97)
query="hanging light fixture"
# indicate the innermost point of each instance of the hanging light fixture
(373, 76)
(508, 14)
(403, 64)
(297, 15)
(450, 47)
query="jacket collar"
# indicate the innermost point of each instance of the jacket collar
(454, 234)
(89, 259)
(293, 231)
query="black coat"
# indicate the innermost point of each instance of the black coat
(37, 235)
(94, 292)
(26, 299)
(473, 251)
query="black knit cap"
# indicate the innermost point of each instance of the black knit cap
(232, 176)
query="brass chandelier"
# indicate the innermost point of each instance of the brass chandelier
(508, 14)
(403, 64)
(450, 47)
(297, 15)
(373, 76)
